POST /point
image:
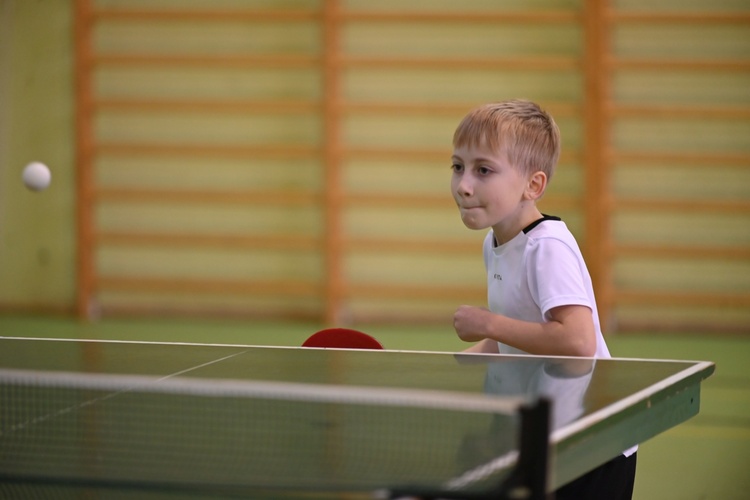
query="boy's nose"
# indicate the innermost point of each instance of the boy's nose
(465, 187)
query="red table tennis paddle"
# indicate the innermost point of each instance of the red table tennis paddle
(342, 338)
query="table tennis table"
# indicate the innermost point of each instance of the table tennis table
(118, 419)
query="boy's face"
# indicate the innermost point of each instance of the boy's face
(489, 191)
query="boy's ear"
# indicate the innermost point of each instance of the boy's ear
(536, 185)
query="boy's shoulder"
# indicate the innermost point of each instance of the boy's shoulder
(551, 228)
(548, 226)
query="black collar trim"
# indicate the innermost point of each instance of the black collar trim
(539, 221)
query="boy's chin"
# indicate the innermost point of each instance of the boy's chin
(474, 224)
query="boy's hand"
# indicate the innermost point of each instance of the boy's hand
(471, 323)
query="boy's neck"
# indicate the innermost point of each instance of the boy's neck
(505, 232)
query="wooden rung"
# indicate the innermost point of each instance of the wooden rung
(687, 206)
(686, 111)
(430, 154)
(291, 288)
(681, 252)
(695, 17)
(291, 152)
(212, 61)
(463, 16)
(682, 159)
(412, 108)
(386, 200)
(273, 198)
(390, 245)
(295, 242)
(558, 109)
(244, 15)
(688, 299)
(460, 294)
(621, 63)
(203, 106)
(480, 63)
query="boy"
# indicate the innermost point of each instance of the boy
(541, 299)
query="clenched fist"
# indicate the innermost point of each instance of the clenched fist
(471, 323)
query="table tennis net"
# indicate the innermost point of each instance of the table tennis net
(192, 434)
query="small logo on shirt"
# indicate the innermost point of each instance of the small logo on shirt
(498, 277)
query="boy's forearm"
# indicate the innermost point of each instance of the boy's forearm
(568, 336)
(526, 336)
(552, 338)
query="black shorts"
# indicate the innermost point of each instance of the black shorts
(614, 481)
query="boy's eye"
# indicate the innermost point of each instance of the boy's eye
(457, 168)
(483, 170)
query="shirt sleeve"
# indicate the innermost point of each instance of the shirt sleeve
(555, 276)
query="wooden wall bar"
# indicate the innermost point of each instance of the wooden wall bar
(291, 159)
(84, 183)
(679, 157)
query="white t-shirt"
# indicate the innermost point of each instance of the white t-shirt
(538, 270)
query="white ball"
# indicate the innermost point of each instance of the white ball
(36, 176)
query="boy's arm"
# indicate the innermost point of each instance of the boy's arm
(570, 331)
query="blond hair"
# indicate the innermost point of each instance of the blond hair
(520, 129)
